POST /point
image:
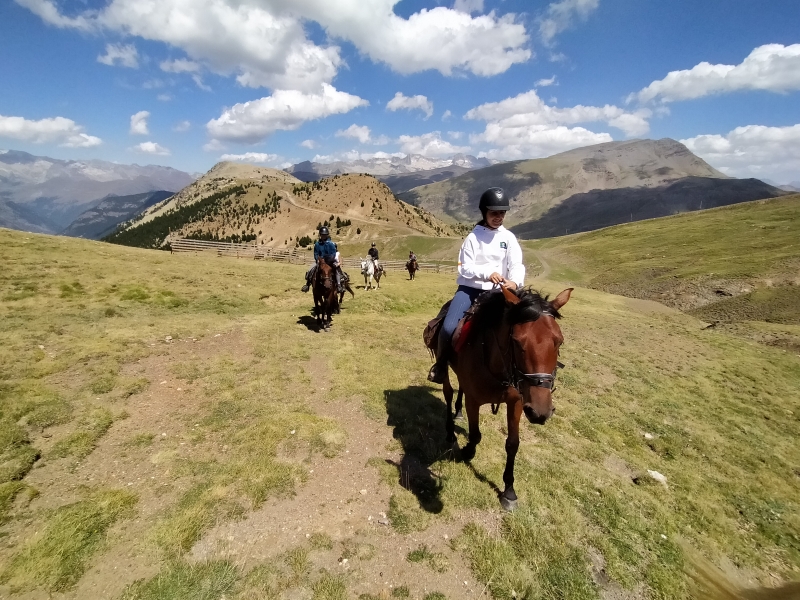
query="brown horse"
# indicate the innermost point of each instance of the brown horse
(326, 299)
(510, 357)
(412, 267)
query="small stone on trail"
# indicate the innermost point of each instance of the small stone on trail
(383, 521)
(168, 338)
(292, 431)
(162, 383)
(648, 436)
(663, 537)
(41, 347)
(363, 492)
(163, 435)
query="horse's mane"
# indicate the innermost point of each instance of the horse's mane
(491, 309)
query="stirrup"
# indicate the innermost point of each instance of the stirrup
(304, 288)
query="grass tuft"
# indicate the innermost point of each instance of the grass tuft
(204, 581)
(56, 558)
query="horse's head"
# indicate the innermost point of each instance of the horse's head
(535, 342)
(364, 266)
(325, 274)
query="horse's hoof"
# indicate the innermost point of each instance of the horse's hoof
(508, 505)
(459, 416)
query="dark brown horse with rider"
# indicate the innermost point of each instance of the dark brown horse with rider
(412, 265)
(509, 356)
(326, 297)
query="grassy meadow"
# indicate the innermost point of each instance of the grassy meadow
(173, 426)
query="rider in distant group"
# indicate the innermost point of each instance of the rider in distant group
(325, 247)
(373, 254)
(490, 256)
(411, 256)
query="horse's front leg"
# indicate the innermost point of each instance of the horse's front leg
(450, 427)
(508, 499)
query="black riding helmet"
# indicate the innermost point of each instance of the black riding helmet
(323, 232)
(493, 199)
(373, 244)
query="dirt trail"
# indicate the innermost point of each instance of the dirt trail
(291, 200)
(545, 266)
(345, 499)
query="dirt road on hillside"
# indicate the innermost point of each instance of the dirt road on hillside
(545, 266)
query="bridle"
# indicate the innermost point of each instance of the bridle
(514, 376)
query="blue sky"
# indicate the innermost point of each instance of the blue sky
(185, 83)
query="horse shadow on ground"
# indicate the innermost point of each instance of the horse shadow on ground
(418, 418)
(310, 321)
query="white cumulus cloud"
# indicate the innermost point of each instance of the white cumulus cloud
(264, 43)
(151, 148)
(418, 102)
(182, 126)
(139, 123)
(285, 109)
(529, 110)
(55, 130)
(772, 67)
(525, 126)
(117, 54)
(310, 144)
(560, 16)
(429, 144)
(546, 82)
(752, 151)
(357, 132)
(252, 157)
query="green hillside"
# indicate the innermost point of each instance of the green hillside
(730, 264)
(172, 426)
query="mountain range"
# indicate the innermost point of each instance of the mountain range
(537, 185)
(46, 195)
(386, 166)
(102, 219)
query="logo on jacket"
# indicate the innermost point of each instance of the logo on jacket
(504, 246)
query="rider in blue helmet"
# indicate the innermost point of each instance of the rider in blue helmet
(325, 247)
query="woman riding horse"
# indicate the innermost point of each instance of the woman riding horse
(490, 256)
(508, 351)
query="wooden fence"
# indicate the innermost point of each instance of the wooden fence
(290, 255)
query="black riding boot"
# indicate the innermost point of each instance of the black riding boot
(309, 275)
(438, 372)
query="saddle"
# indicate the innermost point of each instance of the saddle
(460, 336)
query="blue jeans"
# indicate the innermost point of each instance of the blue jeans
(462, 300)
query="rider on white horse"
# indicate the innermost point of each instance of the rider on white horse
(373, 253)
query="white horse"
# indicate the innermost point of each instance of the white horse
(368, 271)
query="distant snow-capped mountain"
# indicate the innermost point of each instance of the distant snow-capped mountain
(383, 166)
(47, 194)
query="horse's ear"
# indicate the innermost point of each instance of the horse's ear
(510, 296)
(561, 299)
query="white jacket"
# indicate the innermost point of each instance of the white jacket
(487, 251)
